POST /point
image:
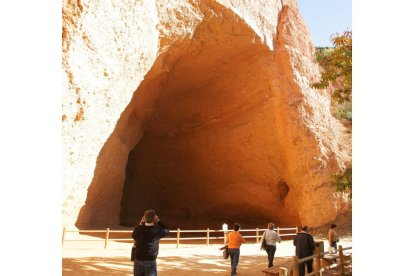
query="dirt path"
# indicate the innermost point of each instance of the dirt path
(89, 258)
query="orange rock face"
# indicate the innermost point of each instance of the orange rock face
(221, 125)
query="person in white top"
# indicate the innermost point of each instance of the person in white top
(271, 237)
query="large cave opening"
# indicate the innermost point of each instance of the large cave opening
(201, 141)
(211, 153)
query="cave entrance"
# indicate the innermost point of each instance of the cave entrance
(199, 142)
(207, 153)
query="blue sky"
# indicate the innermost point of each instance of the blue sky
(326, 17)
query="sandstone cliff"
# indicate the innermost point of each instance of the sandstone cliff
(199, 109)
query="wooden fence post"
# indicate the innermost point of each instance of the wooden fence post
(341, 261)
(295, 266)
(208, 236)
(224, 233)
(257, 235)
(106, 237)
(317, 261)
(297, 230)
(178, 237)
(278, 231)
(63, 235)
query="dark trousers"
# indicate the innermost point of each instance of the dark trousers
(234, 258)
(145, 268)
(309, 266)
(270, 250)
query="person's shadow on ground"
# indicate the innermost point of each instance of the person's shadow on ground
(174, 265)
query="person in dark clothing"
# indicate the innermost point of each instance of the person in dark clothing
(304, 247)
(147, 236)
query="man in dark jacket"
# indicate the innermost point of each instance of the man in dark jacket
(147, 236)
(304, 247)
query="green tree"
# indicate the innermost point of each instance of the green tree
(337, 67)
(343, 181)
(337, 71)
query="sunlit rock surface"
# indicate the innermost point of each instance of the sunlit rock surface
(201, 110)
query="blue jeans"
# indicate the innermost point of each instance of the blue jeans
(270, 250)
(145, 268)
(234, 258)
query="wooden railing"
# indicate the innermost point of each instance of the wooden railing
(209, 235)
(293, 269)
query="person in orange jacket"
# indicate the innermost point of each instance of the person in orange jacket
(234, 241)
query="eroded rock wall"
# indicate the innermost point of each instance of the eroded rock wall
(108, 47)
(199, 109)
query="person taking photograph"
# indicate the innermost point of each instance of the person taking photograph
(147, 236)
